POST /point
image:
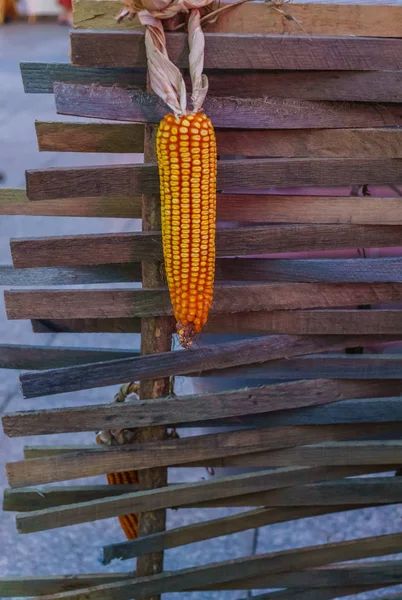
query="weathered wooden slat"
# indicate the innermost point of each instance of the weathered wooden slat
(242, 51)
(132, 325)
(361, 86)
(12, 587)
(324, 593)
(98, 461)
(38, 498)
(279, 562)
(198, 407)
(15, 202)
(205, 530)
(333, 18)
(386, 270)
(38, 77)
(115, 302)
(342, 366)
(120, 104)
(166, 364)
(129, 137)
(321, 454)
(124, 273)
(83, 250)
(15, 356)
(222, 489)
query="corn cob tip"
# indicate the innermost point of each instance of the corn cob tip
(186, 334)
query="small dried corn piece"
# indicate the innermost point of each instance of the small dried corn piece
(186, 148)
(129, 523)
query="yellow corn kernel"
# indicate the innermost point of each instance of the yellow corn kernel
(186, 150)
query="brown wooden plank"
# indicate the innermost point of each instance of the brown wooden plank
(120, 104)
(166, 364)
(15, 202)
(12, 587)
(242, 51)
(333, 18)
(90, 137)
(277, 562)
(16, 356)
(128, 137)
(206, 530)
(182, 494)
(321, 454)
(124, 273)
(99, 461)
(198, 407)
(279, 297)
(361, 86)
(132, 325)
(93, 249)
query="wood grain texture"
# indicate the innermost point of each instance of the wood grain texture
(323, 593)
(95, 249)
(361, 86)
(90, 137)
(11, 587)
(128, 137)
(320, 454)
(198, 407)
(182, 494)
(242, 51)
(385, 270)
(166, 364)
(357, 18)
(16, 356)
(15, 202)
(162, 453)
(120, 104)
(135, 302)
(39, 77)
(278, 562)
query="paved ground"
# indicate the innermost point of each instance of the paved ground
(76, 549)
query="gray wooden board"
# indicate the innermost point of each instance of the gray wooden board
(12, 587)
(231, 354)
(195, 408)
(226, 490)
(242, 51)
(76, 276)
(120, 104)
(15, 356)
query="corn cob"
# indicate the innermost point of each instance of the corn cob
(129, 523)
(186, 149)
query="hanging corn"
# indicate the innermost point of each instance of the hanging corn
(186, 150)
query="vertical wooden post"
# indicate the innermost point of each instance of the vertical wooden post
(156, 336)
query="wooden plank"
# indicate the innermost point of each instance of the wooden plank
(90, 137)
(116, 302)
(12, 587)
(125, 247)
(38, 498)
(38, 77)
(355, 86)
(98, 461)
(166, 364)
(386, 270)
(329, 18)
(242, 51)
(182, 494)
(326, 365)
(16, 356)
(321, 454)
(120, 104)
(323, 593)
(277, 562)
(132, 325)
(194, 408)
(128, 137)
(206, 530)
(123, 273)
